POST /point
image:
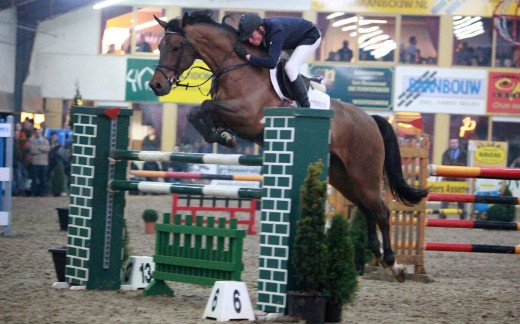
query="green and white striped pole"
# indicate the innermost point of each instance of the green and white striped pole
(166, 188)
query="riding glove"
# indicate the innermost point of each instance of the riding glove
(240, 50)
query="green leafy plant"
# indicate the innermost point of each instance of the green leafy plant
(58, 179)
(341, 283)
(502, 213)
(309, 250)
(150, 215)
(127, 250)
(359, 237)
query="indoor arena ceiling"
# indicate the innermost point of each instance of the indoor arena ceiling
(39, 10)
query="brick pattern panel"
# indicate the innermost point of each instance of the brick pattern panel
(81, 200)
(276, 208)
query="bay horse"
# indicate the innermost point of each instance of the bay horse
(363, 149)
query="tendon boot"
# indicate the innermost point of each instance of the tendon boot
(299, 92)
(226, 138)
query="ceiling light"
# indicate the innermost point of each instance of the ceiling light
(364, 22)
(345, 21)
(347, 28)
(106, 3)
(335, 15)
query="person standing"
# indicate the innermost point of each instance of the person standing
(39, 149)
(345, 53)
(151, 142)
(456, 156)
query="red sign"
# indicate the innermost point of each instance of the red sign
(504, 93)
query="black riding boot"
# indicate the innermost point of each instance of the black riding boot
(299, 92)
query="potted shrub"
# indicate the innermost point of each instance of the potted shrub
(309, 251)
(502, 213)
(341, 274)
(150, 216)
(58, 180)
(359, 237)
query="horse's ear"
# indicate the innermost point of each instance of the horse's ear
(185, 19)
(163, 23)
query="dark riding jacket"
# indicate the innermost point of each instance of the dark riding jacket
(284, 33)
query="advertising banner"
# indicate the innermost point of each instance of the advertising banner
(138, 74)
(438, 90)
(504, 93)
(425, 7)
(140, 71)
(364, 87)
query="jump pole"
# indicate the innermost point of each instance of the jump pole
(96, 214)
(195, 175)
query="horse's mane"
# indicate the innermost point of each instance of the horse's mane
(200, 16)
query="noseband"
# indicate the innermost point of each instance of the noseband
(175, 69)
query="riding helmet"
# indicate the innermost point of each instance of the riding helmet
(249, 22)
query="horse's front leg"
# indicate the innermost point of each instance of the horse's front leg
(207, 122)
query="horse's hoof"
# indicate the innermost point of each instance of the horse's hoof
(399, 273)
(227, 139)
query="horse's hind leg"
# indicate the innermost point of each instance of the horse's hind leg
(364, 190)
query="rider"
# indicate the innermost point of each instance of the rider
(274, 35)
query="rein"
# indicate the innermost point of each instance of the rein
(174, 82)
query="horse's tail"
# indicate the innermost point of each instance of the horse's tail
(393, 169)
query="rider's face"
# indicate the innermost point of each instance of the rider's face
(256, 38)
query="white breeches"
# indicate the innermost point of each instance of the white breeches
(298, 58)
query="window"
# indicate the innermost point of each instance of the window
(351, 38)
(507, 54)
(419, 40)
(472, 41)
(147, 33)
(469, 127)
(508, 131)
(121, 37)
(116, 27)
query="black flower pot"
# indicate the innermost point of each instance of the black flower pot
(63, 217)
(59, 257)
(307, 306)
(333, 312)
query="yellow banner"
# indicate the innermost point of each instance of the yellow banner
(489, 154)
(448, 187)
(196, 75)
(424, 7)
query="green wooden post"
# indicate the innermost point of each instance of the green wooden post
(94, 242)
(293, 139)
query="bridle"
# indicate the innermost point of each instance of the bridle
(175, 69)
(173, 81)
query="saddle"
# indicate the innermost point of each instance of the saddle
(315, 89)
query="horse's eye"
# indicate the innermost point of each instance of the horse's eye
(175, 48)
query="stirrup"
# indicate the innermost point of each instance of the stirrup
(226, 138)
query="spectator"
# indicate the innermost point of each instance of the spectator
(464, 54)
(151, 142)
(54, 147)
(454, 155)
(345, 53)
(28, 127)
(411, 53)
(333, 56)
(39, 148)
(19, 171)
(111, 49)
(141, 45)
(151, 166)
(483, 57)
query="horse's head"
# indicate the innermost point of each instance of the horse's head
(177, 54)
